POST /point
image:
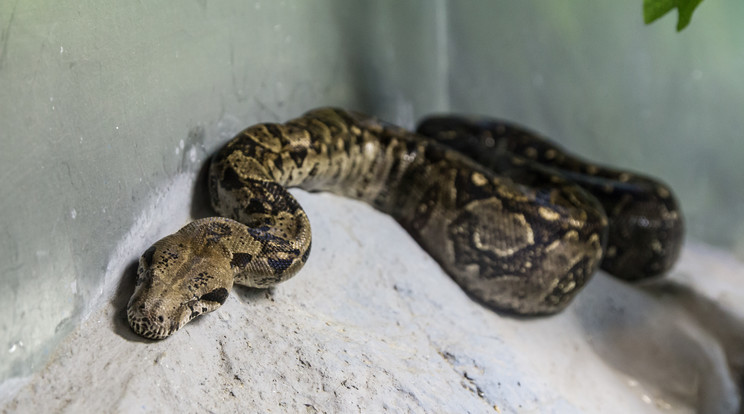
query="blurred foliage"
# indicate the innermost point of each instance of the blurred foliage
(653, 9)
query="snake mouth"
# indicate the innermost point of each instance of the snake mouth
(149, 327)
(151, 324)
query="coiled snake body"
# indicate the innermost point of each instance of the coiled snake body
(510, 223)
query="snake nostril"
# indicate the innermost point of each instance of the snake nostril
(160, 318)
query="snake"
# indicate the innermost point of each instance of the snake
(646, 226)
(517, 222)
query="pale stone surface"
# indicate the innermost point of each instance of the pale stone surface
(372, 324)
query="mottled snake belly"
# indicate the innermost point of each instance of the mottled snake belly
(517, 222)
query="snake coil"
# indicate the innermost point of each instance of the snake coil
(517, 222)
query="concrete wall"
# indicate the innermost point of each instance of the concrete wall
(103, 103)
(595, 78)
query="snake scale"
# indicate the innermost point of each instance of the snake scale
(517, 222)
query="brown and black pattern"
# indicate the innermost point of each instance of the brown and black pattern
(646, 227)
(521, 240)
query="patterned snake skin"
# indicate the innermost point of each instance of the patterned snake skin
(646, 226)
(514, 228)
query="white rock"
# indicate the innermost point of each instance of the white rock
(372, 324)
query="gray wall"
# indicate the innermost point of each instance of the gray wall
(101, 100)
(592, 76)
(102, 103)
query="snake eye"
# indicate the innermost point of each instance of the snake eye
(218, 295)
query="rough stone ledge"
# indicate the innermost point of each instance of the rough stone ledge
(372, 324)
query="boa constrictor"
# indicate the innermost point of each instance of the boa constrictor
(518, 223)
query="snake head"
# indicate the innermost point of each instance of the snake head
(178, 279)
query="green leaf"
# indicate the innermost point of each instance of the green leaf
(684, 11)
(654, 9)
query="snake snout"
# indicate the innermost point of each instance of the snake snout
(155, 316)
(151, 323)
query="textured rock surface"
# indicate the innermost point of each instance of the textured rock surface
(372, 324)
